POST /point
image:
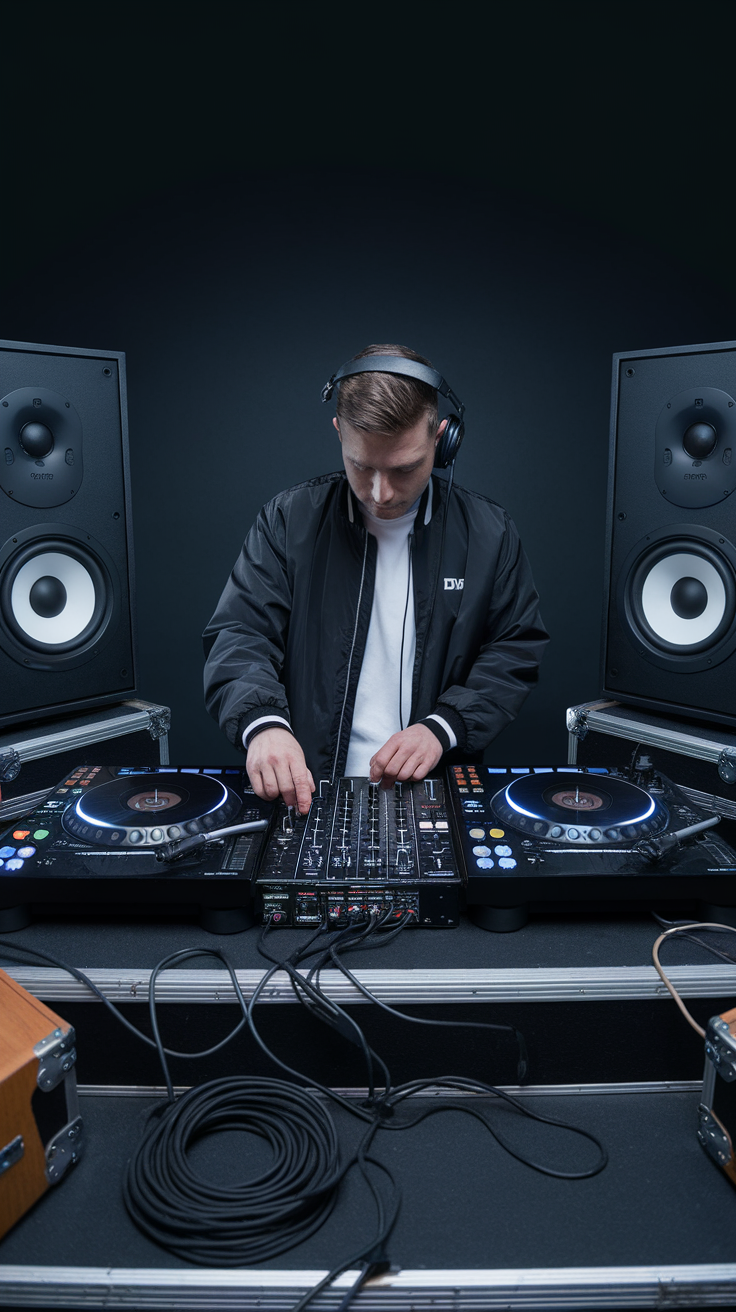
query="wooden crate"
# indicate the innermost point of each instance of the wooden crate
(40, 1126)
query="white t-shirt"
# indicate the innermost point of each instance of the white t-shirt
(383, 697)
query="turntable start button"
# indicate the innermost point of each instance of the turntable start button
(135, 836)
(174, 831)
(156, 835)
(595, 834)
(573, 833)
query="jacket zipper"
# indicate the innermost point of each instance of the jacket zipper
(350, 661)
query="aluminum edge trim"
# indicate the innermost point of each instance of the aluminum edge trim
(671, 740)
(658, 1279)
(433, 1091)
(36, 748)
(565, 984)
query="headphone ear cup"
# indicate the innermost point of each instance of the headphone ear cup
(449, 444)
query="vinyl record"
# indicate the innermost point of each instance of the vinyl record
(579, 808)
(142, 810)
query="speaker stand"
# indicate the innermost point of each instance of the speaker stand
(500, 920)
(12, 918)
(226, 920)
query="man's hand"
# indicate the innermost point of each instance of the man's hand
(409, 755)
(276, 765)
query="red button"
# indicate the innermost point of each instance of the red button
(21, 833)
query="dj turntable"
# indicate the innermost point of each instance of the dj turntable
(96, 837)
(544, 838)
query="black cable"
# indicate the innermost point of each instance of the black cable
(403, 637)
(255, 1220)
(523, 1062)
(152, 1043)
(251, 1221)
(479, 1087)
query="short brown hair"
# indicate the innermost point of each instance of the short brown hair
(386, 403)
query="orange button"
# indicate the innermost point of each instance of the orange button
(21, 833)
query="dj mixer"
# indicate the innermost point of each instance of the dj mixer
(361, 849)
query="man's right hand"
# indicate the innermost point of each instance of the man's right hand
(276, 765)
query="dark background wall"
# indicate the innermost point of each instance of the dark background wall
(241, 215)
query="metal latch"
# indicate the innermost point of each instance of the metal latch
(56, 1055)
(727, 765)
(11, 1153)
(64, 1150)
(10, 764)
(577, 722)
(713, 1137)
(720, 1048)
(159, 721)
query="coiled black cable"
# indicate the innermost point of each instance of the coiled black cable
(256, 1219)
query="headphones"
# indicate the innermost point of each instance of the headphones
(449, 443)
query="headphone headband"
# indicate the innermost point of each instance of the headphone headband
(394, 364)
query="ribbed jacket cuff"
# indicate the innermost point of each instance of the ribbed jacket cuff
(451, 717)
(262, 717)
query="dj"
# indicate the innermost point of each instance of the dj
(375, 619)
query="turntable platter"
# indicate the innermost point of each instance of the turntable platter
(579, 808)
(139, 812)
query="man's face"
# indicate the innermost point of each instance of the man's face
(388, 472)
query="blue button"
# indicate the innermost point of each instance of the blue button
(7, 851)
(502, 850)
(485, 862)
(25, 852)
(15, 864)
(507, 862)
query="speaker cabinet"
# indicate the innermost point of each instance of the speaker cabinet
(669, 640)
(66, 560)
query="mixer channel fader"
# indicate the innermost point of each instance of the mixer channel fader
(363, 849)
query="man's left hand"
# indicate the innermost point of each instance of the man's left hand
(409, 755)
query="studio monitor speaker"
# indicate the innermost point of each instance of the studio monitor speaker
(669, 640)
(66, 563)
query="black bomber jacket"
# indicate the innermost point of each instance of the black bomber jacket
(289, 632)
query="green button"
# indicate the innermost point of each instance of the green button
(41, 833)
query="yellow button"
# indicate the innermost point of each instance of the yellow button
(496, 833)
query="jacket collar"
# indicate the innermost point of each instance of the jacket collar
(428, 504)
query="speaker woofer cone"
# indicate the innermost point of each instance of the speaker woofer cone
(679, 598)
(69, 566)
